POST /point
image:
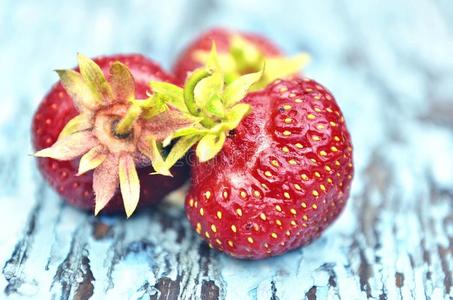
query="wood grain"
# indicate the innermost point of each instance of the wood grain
(389, 65)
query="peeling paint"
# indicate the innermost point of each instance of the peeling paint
(389, 65)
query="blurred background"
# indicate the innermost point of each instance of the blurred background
(390, 66)
(398, 52)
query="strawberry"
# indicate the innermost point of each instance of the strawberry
(57, 120)
(272, 171)
(239, 53)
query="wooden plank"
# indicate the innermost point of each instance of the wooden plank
(389, 65)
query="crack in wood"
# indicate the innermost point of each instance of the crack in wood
(383, 295)
(443, 254)
(437, 195)
(274, 291)
(86, 288)
(377, 177)
(378, 257)
(209, 290)
(311, 294)
(168, 289)
(399, 279)
(332, 281)
(201, 281)
(365, 273)
(14, 266)
(114, 254)
(54, 234)
(74, 275)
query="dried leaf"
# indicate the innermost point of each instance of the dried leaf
(81, 93)
(78, 123)
(166, 123)
(129, 183)
(94, 77)
(105, 182)
(92, 159)
(122, 82)
(70, 147)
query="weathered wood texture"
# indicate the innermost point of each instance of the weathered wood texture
(390, 65)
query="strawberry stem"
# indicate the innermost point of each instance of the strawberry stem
(189, 94)
(125, 125)
(189, 89)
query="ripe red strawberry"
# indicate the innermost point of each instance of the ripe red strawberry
(239, 53)
(282, 176)
(268, 181)
(58, 108)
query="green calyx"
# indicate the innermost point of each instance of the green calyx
(215, 102)
(202, 113)
(244, 57)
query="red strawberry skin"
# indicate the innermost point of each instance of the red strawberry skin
(186, 62)
(282, 177)
(57, 109)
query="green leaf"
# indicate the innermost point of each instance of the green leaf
(157, 161)
(94, 77)
(225, 60)
(122, 82)
(78, 123)
(245, 53)
(208, 88)
(170, 93)
(231, 76)
(281, 67)
(212, 62)
(209, 146)
(150, 148)
(237, 90)
(81, 93)
(235, 115)
(215, 107)
(190, 131)
(180, 148)
(152, 107)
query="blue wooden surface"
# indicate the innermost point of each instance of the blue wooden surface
(390, 65)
